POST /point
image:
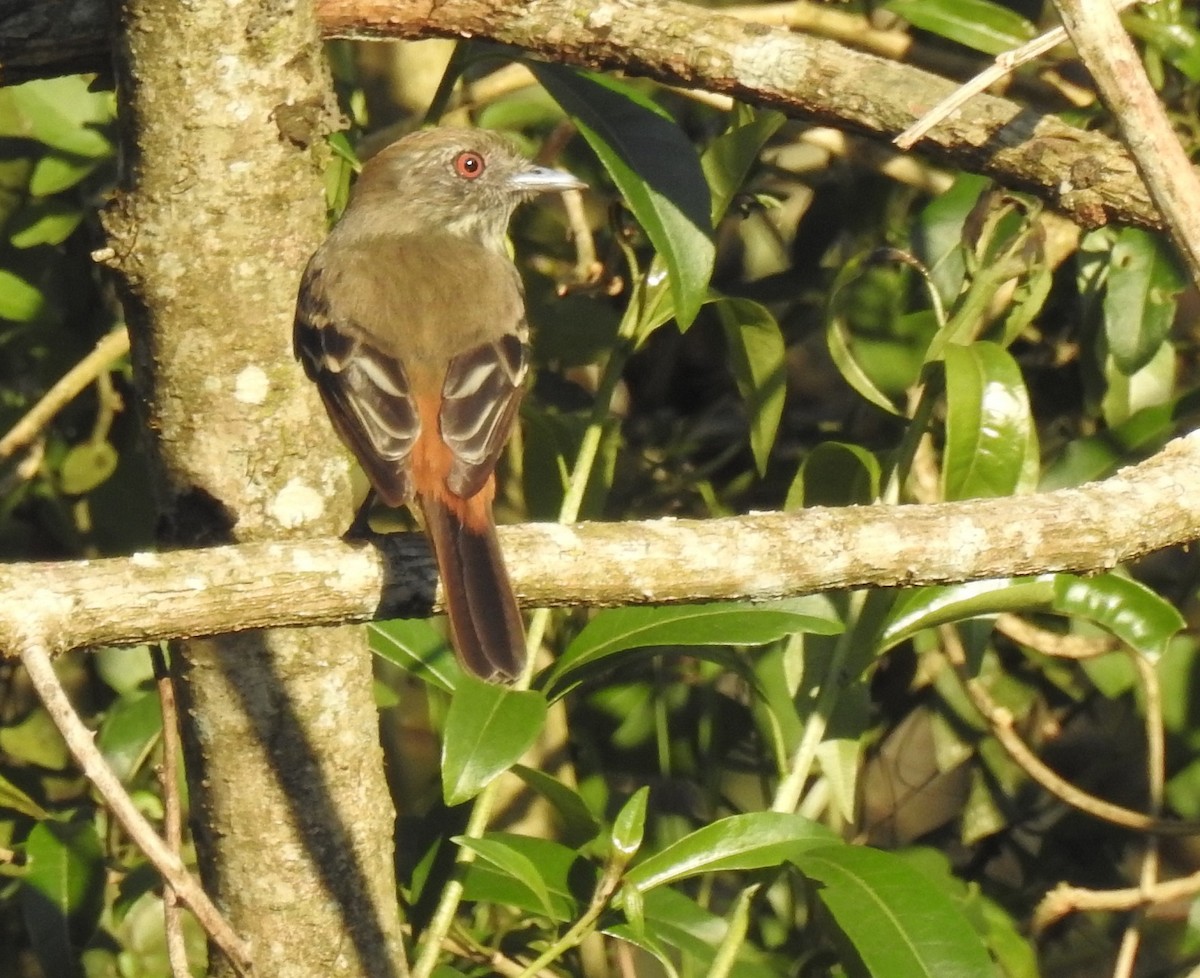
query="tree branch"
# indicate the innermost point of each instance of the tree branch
(1085, 174)
(148, 597)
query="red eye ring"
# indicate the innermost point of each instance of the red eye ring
(469, 165)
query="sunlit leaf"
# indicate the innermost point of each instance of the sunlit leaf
(978, 24)
(988, 422)
(562, 871)
(19, 301)
(894, 921)
(729, 157)
(756, 356)
(738, 842)
(511, 862)
(1133, 613)
(1144, 280)
(655, 167)
(417, 647)
(488, 727)
(732, 623)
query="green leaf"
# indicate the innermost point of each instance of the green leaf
(562, 871)
(35, 740)
(62, 892)
(1178, 43)
(977, 24)
(511, 862)
(630, 824)
(488, 727)
(756, 355)
(417, 647)
(732, 623)
(835, 474)
(1144, 281)
(917, 609)
(655, 167)
(579, 826)
(52, 174)
(939, 232)
(892, 921)
(838, 338)
(15, 800)
(129, 733)
(87, 466)
(989, 426)
(729, 157)
(63, 114)
(756, 840)
(44, 222)
(1133, 613)
(19, 301)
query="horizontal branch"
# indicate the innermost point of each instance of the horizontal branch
(1085, 174)
(149, 597)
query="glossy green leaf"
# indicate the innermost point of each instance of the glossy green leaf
(675, 921)
(19, 301)
(655, 167)
(917, 609)
(579, 825)
(511, 862)
(1144, 281)
(41, 222)
(835, 474)
(62, 893)
(1152, 386)
(563, 873)
(35, 740)
(1132, 612)
(63, 114)
(417, 647)
(1178, 43)
(16, 800)
(894, 922)
(732, 623)
(755, 840)
(728, 159)
(939, 231)
(989, 425)
(87, 466)
(756, 356)
(630, 824)
(130, 731)
(488, 728)
(978, 24)
(52, 173)
(838, 338)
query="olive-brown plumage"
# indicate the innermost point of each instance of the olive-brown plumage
(411, 322)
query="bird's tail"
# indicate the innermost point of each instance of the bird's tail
(485, 622)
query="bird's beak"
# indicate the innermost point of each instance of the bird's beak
(542, 180)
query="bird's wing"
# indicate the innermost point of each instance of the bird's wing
(365, 389)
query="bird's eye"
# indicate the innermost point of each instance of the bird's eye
(468, 165)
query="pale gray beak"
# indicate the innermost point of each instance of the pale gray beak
(542, 180)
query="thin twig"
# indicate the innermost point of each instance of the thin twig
(1065, 899)
(1003, 729)
(172, 810)
(68, 387)
(80, 742)
(1096, 31)
(1005, 63)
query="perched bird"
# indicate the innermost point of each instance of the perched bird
(411, 322)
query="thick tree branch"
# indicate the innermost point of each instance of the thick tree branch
(1085, 174)
(198, 592)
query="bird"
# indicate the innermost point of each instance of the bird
(410, 319)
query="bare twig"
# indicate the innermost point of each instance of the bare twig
(82, 746)
(1113, 61)
(172, 814)
(1004, 64)
(1003, 729)
(1065, 899)
(69, 386)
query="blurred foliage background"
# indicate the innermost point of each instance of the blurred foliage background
(875, 329)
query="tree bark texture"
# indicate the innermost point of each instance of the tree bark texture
(223, 109)
(1087, 175)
